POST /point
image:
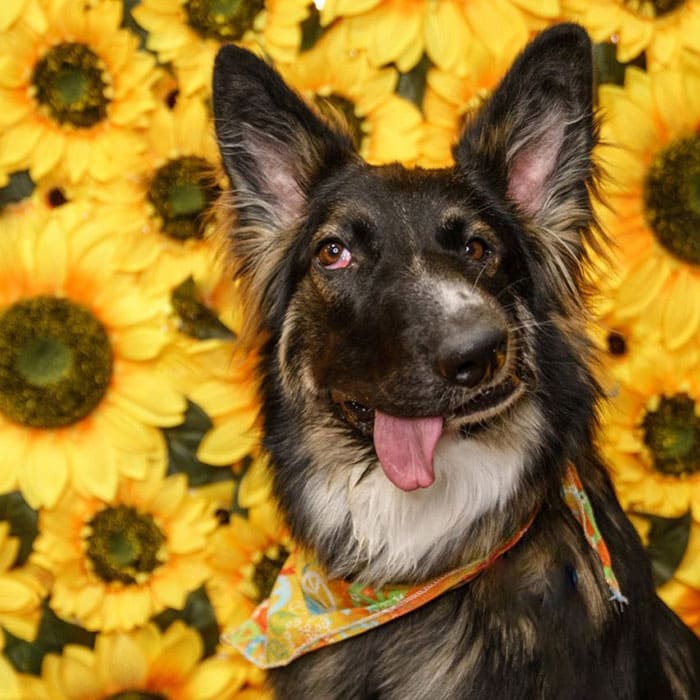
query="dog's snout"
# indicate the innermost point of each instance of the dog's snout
(473, 355)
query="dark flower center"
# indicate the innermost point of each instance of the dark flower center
(653, 8)
(672, 198)
(267, 569)
(70, 81)
(672, 434)
(55, 362)
(223, 20)
(341, 110)
(124, 545)
(182, 191)
(617, 345)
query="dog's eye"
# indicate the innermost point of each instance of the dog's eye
(333, 255)
(477, 249)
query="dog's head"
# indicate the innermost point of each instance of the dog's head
(425, 348)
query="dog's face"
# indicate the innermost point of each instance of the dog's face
(419, 322)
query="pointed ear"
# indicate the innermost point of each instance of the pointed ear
(273, 146)
(274, 149)
(534, 137)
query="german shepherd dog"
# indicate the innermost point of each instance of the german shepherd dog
(426, 380)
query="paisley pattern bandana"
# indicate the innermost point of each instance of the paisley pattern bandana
(307, 611)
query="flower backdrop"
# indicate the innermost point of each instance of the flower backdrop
(135, 513)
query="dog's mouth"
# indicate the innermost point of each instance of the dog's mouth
(484, 404)
(405, 445)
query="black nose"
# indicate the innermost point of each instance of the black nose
(473, 354)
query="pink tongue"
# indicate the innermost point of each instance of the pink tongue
(405, 448)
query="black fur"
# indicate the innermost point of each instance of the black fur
(340, 345)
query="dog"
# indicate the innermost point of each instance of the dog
(426, 381)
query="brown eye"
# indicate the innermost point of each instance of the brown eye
(333, 255)
(477, 249)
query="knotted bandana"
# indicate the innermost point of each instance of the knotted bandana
(307, 611)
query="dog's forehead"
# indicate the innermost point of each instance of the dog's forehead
(391, 195)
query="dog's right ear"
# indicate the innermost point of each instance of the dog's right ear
(274, 149)
(273, 146)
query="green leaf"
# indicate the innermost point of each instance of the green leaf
(183, 441)
(18, 188)
(196, 319)
(412, 84)
(311, 29)
(53, 634)
(198, 613)
(23, 522)
(608, 69)
(666, 545)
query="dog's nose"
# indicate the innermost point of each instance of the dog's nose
(473, 355)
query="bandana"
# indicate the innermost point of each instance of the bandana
(307, 611)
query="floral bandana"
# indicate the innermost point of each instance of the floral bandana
(307, 611)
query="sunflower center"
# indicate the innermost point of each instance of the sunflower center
(334, 106)
(266, 570)
(223, 20)
(653, 8)
(672, 198)
(55, 362)
(181, 191)
(70, 82)
(136, 695)
(124, 544)
(672, 434)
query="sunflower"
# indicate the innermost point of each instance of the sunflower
(81, 388)
(144, 663)
(342, 85)
(396, 31)
(659, 27)
(164, 210)
(449, 99)
(652, 155)
(245, 561)
(651, 437)
(188, 33)
(118, 562)
(74, 96)
(21, 589)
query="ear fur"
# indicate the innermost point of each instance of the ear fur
(274, 149)
(533, 139)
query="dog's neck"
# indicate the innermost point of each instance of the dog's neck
(364, 526)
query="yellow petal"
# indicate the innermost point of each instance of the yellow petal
(222, 446)
(45, 473)
(216, 678)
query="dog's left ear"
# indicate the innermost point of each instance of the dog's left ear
(533, 138)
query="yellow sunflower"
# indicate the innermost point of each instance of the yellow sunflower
(245, 561)
(400, 31)
(651, 437)
(651, 128)
(21, 589)
(81, 388)
(342, 84)
(682, 592)
(118, 562)
(659, 27)
(73, 96)
(188, 33)
(143, 663)
(164, 209)
(450, 98)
